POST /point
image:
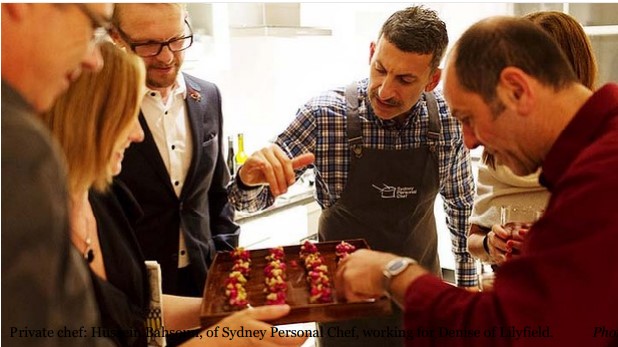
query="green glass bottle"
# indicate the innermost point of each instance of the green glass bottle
(231, 163)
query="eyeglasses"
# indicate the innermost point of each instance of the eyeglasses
(100, 25)
(153, 48)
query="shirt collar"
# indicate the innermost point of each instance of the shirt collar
(388, 123)
(179, 88)
(585, 127)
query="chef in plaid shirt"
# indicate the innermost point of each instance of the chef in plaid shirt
(382, 149)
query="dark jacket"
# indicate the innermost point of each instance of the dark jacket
(202, 208)
(45, 282)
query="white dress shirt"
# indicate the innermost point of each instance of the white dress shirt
(168, 122)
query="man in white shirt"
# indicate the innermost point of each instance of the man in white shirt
(178, 173)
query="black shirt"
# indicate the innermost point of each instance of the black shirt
(124, 298)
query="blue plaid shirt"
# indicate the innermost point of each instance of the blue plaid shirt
(320, 128)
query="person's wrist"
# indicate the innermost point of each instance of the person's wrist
(392, 269)
(241, 185)
(485, 243)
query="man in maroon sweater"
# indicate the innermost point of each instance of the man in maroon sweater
(514, 93)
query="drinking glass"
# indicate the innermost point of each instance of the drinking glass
(485, 275)
(513, 218)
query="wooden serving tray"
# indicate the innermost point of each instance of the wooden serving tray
(215, 307)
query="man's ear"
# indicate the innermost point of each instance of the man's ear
(372, 50)
(514, 90)
(118, 41)
(434, 80)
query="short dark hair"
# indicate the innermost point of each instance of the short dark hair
(418, 30)
(493, 44)
(576, 46)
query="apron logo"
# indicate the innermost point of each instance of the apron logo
(390, 192)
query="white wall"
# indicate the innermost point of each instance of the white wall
(265, 79)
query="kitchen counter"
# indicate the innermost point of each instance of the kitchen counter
(293, 216)
(300, 193)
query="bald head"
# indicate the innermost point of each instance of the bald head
(491, 45)
(513, 90)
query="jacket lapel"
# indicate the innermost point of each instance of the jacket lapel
(196, 104)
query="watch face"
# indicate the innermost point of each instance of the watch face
(396, 266)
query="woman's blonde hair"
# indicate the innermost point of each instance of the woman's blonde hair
(95, 114)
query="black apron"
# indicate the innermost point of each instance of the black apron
(388, 200)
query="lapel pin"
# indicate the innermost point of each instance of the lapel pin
(196, 96)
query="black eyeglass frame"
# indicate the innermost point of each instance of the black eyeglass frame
(133, 45)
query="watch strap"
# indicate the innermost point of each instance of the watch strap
(392, 269)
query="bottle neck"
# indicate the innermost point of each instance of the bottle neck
(241, 143)
(241, 156)
(230, 144)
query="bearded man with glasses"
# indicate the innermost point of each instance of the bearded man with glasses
(178, 173)
(46, 288)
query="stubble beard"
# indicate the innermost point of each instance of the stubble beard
(162, 82)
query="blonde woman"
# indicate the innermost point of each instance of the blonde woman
(95, 121)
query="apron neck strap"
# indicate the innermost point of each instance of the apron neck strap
(435, 126)
(355, 136)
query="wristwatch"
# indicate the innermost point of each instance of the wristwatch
(394, 268)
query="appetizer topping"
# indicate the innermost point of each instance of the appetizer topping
(276, 253)
(243, 267)
(274, 277)
(276, 298)
(240, 253)
(317, 274)
(343, 249)
(320, 294)
(307, 248)
(237, 278)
